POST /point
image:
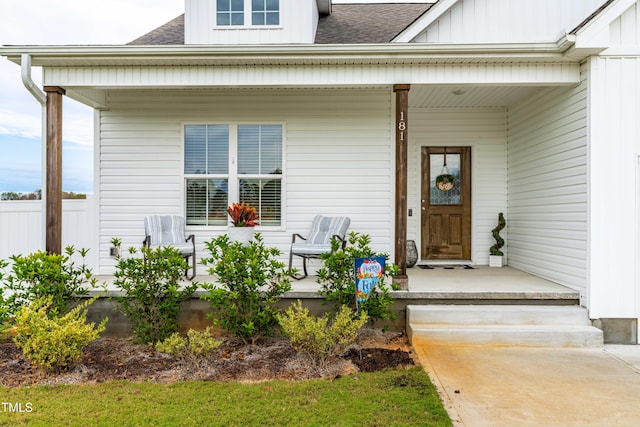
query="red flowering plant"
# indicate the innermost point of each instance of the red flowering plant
(243, 215)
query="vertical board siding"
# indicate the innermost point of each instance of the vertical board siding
(298, 23)
(625, 31)
(547, 186)
(505, 21)
(337, 156)
(614, 165)
(484, 131)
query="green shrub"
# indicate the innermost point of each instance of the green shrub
(5, 313)
(43, 274)
(320, 338)
(152, 291)
(54, 343)
(337, 280)
(252, 280)
(5, 317)
(193, 348)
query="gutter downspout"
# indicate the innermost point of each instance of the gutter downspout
(38, 94)
(41, 97)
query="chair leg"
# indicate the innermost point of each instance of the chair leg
(304, 266)
(193, 267)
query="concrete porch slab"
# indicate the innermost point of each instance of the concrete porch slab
(481, 282)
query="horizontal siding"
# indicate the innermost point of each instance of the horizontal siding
(547, 214)
(504, 21)
(484, 131)
(338, 147)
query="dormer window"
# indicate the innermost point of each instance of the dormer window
(232, 12)
(265, 12)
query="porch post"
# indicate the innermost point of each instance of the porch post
(402, 132)
(53, 190)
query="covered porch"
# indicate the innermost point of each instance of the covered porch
(457, 283)
(446, 284)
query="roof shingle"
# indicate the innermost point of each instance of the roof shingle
(170, 33)
(367, 23)
(347, 24)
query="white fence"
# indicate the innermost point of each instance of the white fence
(22, 227)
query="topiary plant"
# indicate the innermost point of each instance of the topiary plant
(495, 249)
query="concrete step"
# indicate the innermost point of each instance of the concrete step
(502, 325)
(498, 314)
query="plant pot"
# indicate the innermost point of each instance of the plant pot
(241, 234)
(496, 260)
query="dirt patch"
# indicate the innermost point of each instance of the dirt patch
(109, 359)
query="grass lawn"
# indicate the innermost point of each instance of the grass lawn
(399, 397)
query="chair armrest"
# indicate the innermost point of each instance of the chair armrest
(293, 237)
(343, 240)
(192, 237)
(147, 241)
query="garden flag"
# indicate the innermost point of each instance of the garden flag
(368, 272)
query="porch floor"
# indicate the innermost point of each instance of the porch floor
(479, 285)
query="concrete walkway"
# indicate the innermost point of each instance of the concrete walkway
(509, 386)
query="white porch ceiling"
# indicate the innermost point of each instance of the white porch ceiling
(467, 96)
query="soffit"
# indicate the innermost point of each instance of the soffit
(468, 96)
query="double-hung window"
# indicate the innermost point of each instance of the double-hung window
(262, 12)
(227, 163)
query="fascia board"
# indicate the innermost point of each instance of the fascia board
(276, 55)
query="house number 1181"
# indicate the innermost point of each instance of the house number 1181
(402, 125)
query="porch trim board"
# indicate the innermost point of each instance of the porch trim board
(316, 75)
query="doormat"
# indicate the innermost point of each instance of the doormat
(446, 267)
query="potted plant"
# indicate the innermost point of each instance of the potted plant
(496, 256)
(243, 220)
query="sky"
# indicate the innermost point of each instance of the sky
(60, 22)
(65, 22)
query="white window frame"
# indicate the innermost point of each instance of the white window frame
(248, 18)
(233, 177)
(231, 13)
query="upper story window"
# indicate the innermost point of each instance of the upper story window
(265, 12)
(232, 12)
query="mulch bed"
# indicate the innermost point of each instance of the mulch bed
(108, 359)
